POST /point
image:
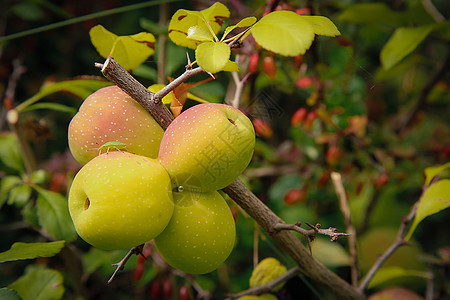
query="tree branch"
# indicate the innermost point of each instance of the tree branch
(343, 204)
(121, 264)
(238, 191)
(399, 241)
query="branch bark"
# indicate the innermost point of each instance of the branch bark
(238, 191)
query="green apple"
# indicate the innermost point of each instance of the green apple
(110, 115)
(207, 147)
(200, 235)
(119, 200)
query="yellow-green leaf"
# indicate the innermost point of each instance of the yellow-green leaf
(246, 22)
(129, 51)
(431, 172)
(184, 19)
(401, 43)
(434, 199)
(199, 33)
(283, 32)
(387, 274)
(212, 56)
(322, 25)
(231, 66)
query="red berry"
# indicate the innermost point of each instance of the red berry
(184, 293)
(303, 11)
(269, 67)
(262, 128)
(294, 196)
(138, 271)
(167, 289)
(323, 179)
(309, 120)
(253, 63)
(155, 290)
(381, 180)
(298, 60)
(304, 82)
(298, 116)
(333, 155)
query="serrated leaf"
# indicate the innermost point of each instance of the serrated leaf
(184, 19)
(431, 172)
(386, 274)
(53, 214)
(199, 33)
(283, 32)
(434, 199)
(129, 51)
(7, 183)
(322, 25)
(370, 13)
(21, 251)
(8, 294)
(39, 283)
(212, 56)
(78, 87)
(401, 43)
(246, 22)
(10, 152)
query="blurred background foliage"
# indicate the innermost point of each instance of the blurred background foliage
(372, 104)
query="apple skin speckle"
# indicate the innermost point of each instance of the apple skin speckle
(207, 147)
(129, 200)
(101, 119)
(201, 234)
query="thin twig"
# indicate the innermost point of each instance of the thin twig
(268, 287)
(121, 264)
(399, 241)
(239, 87)
(432, 10)
(343, 204)
(331, 231)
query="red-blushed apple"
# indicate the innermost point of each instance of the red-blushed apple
(110, 115)
(200, 235)
(119, 200)
(207, 147)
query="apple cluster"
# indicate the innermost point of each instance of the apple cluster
(139, 183)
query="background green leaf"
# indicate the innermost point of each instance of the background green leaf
(387, 274)
(39, 283)
(283, 32)
(402, 42)
(53, 214)
(8, 294)
(10, 152)
(20, 250)
(370, 13)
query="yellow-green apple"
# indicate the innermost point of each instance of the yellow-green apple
(119, 200)
(110, 115)
(200, 235)
(207, 147)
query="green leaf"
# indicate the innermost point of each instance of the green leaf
(129, 51)
(52, 106)
(7, 294)
(231, 66)
(10, 152)
(7, 183)
(212, 56)
(21, 251)
(199, 33)
(329, 253)
(78, 87)
(370, 13)
(386, 274)
(39, 283)
(431, 172)
(184, 19)
(434, 199)
(401, 43)
(53, 214)
(246, 22)
(19, 195)
(322, 25)
(283, 32)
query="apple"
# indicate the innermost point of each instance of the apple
(110, 115)
(207, 147)
(120, 200)
(200, 235)
(267, 270)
